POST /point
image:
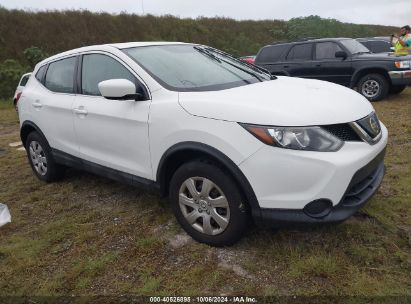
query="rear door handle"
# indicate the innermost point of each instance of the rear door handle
(80, 111)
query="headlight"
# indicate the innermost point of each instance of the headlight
(296, 138)
(403, 64)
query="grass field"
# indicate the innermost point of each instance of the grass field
(88, 235)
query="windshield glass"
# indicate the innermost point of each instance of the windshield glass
(354, 46)
(195, 68)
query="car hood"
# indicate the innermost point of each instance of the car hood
(381, 56)
(283, 102)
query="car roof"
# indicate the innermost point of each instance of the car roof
(109, 47)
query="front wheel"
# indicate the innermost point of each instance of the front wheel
(373, 86)
(208, 204)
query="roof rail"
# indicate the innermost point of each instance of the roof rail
(297, 40)
(306, 39)
(279, 42)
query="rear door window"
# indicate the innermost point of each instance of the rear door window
(97, 68)
(300, 52)
(272, 53)
(60, 76)
(326, 50)
(40, 73)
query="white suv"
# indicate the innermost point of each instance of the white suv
(225, 140)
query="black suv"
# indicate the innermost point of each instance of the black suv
(340, 60)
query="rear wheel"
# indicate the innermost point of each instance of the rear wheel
(397, 89)
(41, 158)
(208, 204)
(373, 86)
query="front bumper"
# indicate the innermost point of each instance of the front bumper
(285, 182)
(362, 187)
(400, 77)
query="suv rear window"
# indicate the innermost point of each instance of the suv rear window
(60, 76)
(300, 52)
(272, 53)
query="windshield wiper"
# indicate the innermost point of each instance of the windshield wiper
(251, 66)
(207, 53)
(211, 55)
(359, 53)
(219, 60)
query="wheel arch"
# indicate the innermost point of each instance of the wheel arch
(180, 153)
(26, 128)
(361, 73)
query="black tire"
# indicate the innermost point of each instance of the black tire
(238, 215)
(381, 84)
(53, 171)
(397, 89)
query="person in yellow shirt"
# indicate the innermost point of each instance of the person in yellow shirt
(402, 43)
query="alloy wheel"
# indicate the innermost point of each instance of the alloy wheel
(370, 88)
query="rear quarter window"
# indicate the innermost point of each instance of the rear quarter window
(271, 53)
(24, 80)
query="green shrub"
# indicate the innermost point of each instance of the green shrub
(10, 74)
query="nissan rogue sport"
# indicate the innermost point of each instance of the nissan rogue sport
(226, 141)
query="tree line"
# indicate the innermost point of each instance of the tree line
(27, 36)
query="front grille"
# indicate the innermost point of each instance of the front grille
(343, 132)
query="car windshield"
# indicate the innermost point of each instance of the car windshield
(195, 68)
(354, 46)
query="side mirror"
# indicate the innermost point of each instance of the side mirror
(341, 54)
(119, 89)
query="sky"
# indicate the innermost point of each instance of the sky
(383, 12)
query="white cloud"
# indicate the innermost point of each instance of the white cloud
(393, 12)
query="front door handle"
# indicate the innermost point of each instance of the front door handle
(37, 104)
(80, 111)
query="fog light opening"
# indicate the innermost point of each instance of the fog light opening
(319, 208)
